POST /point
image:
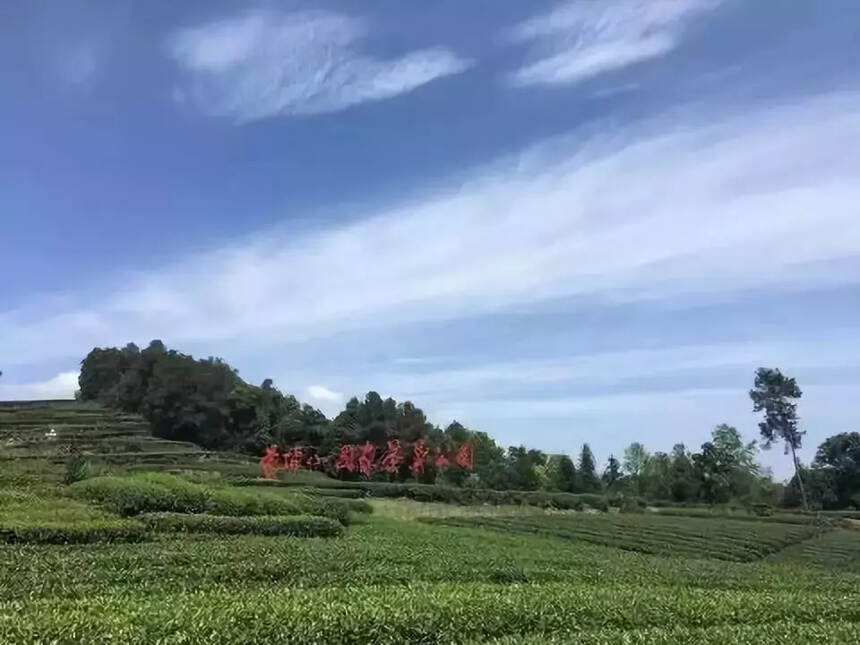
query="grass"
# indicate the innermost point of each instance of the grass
(407, 509)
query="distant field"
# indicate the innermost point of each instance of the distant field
(735, 540)
(839, 549)
(136, 557)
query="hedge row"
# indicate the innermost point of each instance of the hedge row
(298, 525)
(160, 492)
(452, 495)
(76, 533)
(440, 613)
(343, 493)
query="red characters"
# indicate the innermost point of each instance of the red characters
(392, 458)
(270, 461)
(465, 457)
(419, 457)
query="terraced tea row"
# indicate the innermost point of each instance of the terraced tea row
(54, 431)
(420, 613)
(739, 541)
(839, 548)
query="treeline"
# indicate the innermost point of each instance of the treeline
(206, 402)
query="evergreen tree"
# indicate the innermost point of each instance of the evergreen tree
(564, 474)
(612, 473)
(774, 394)
(588, 479)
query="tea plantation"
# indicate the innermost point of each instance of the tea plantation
(130, 555)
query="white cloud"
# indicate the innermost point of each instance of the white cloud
(630, 367)
(263, 64)
(62, 386)
(322, 393)
(325, 399)
(579, 40)
(691, 211)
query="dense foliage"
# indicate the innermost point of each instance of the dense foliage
(206, 402)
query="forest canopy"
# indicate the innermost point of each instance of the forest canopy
(206, 402)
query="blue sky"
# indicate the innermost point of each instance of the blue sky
(554, 221)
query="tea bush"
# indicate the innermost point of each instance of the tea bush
(301, 526)
(429, 613)
(447, 494)
(724, 540)
(160, 492)
(36, 532)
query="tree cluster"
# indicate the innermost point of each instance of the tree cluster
(206, 402)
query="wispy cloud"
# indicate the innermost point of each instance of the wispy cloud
(624, 369)
(694, 210)
(322, 393)
(325, 399)
(264, 63)
(62, 386)
(579, 40)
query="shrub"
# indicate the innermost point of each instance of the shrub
(188, 496)
(126, 495)
(454, 495)
(762, 510)
(298, 525)
(631, 506)
(346, 493)
(160, 492)
(78, 468)
(227, 501)
(72, 533)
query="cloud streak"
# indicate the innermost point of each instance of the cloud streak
(579, 40)
(265, 63)
(322, 393)
(62, 386)
(702, 210)
(628, 369)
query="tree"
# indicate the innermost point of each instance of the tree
(840, 456)
(657, 477)
(612, 472)
(713, 470)
(683, 484)
(635, 459)
(739, 458)
(774, 394)
(588, 479)
(522, 464)
(562, 473)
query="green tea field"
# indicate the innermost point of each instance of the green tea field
(134, 554)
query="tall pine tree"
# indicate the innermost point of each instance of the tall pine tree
(589, 482)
